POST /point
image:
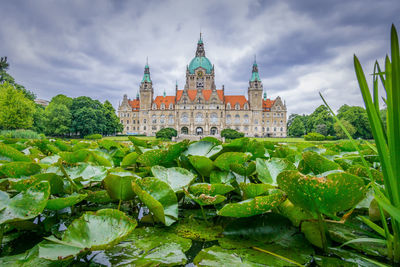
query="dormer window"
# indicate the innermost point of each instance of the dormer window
(237, 106)
(246, 106)
(171, 106)
(162, 106)
(228, 106)
(154, 106)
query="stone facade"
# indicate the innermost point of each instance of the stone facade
(201, 109)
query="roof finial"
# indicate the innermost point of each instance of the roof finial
(147, 61)
(164, 94)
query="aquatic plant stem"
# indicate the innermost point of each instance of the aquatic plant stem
(74, 186)
(278, 256)
(119, 204)
(204, 215)
(321, 225)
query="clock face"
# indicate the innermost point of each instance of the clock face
(199, 74)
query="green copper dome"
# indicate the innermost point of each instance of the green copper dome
(200, 62)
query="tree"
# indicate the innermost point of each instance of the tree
(322, 129)
(38, 119)
(57, 119)
(16, 111)
(296, 128)
(339, 131)
(321, 115)
(87, 116)
(167, 133)
(7, 78)
(358, 117)
(112, 123)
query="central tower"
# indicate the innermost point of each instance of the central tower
(200, 72)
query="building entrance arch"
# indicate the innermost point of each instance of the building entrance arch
(214, 131)
(184, 130)
(199, 131)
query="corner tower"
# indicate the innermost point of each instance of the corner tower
(146, 90)
(255, 89)
(200, 71)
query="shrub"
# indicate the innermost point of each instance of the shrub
(93, 136)
(314, 137)
(25, 134)
(166, 133)
(231, 134)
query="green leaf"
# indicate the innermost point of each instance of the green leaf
(21, 184)
(159, 197)
(268, 170)
(11, 154)
(210, 189)
(176, 177)
(203, 148)
(26, 205)
(129, 159)
(92, 231)
(224, 161)
(88, 172)
(328, 195)
(19, 169)
(119, 185)
(203, 165)
(221, 177)
(253, 206)
(152, 157)
(251, 190)
(204, 200)
(319, 164)
(66, 201)
(244, 169)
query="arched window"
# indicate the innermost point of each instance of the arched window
(154, 106)
(162, 106)
(144, 121)
(255, 129)
(199, 117)
(237, 119)
(214, 118)
(162, 119)
(255, 121)
(246, 118)
(237, 106)
(154, 119)
(281, 129)
(228, 106)
(185, 118)
(267, 129)
(127, 122)
(228, 119)
(171, 119)
(184, 101)
(127, 128)
(171, 106)
(246, 106)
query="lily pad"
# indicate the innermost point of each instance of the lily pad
(328, 195)
(129, 159)
(150, 246)
(176, 177)
(204, 200)
(66, 201)
(21, 184)
(245, 169)
(268, 170)
(251, 190)
(203, 148)
(11, 154)
(88, 172)
(224, 161)
(203, 165)
(221, 177)
(119, 185)
(92, 231)
(19, 169)
(26, 205)
(152, 157)
(210, 189)
(253, 206)
(319, 164)
(159, 197)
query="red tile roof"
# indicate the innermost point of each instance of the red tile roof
(135, 104)
(267, 104)
(234, 99)
(193, 93)
(166, 100)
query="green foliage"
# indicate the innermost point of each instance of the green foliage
(93, 137)
(314, 137)
(340, 133)
(320, 116)
(112, 122)
(296, 128)
(24, 134)
(166, 133)
(16, 111)
(356, 117)
(231, 134)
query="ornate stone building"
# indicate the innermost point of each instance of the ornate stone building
(202, 109)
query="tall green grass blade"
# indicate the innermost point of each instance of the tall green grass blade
(373, 226)
(375, 84)
(364, 240)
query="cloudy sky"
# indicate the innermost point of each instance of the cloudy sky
(99, 48)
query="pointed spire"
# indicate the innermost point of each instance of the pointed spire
(164, 94)
(137, 95)
(265, 96)
(146, 75)
(254, 75)
(200, 48)
(176, 85)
